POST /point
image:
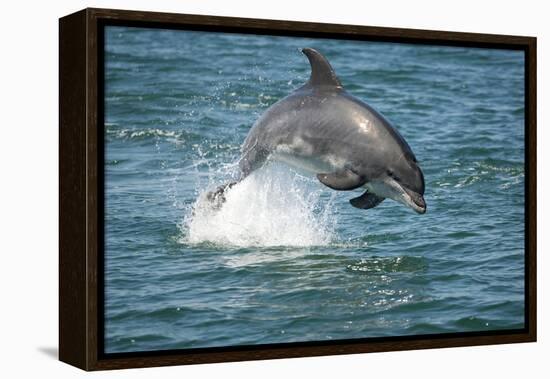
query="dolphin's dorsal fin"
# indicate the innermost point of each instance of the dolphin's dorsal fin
(322, 73)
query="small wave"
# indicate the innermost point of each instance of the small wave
(464, 174)
(253, 258)
(123, 343)
(115, 162)
(427, 328)
(272, 207)
(142, 133)
(473, 323)
(385, 265)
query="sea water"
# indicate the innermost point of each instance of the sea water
(286, 259)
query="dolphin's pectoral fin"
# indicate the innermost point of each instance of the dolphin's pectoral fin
(344, 180)
(366, 201)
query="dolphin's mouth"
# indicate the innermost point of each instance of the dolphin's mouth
(415, 201)
(420, 205)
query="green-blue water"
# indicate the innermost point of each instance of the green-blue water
(286, 259)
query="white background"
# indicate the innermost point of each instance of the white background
(29, 184)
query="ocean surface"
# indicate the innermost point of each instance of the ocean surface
(286, 259)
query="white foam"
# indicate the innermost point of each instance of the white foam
(274, 206)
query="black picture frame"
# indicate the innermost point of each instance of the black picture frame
(81, 277)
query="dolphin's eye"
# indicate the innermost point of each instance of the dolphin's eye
(392, 175)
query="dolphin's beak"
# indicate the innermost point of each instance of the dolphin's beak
(421, 204)
(416, 201)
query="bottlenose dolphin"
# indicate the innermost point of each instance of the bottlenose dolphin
(323, 130)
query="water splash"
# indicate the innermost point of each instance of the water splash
(274, 206)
